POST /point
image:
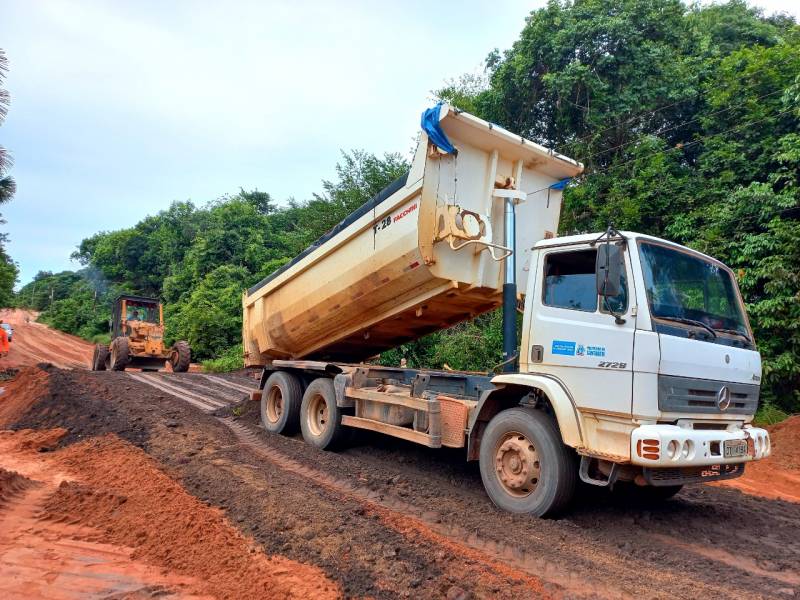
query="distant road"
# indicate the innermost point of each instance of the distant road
(35, 343)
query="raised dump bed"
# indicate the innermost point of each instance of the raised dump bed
(424, 254)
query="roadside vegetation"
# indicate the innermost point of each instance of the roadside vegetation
(686, 118)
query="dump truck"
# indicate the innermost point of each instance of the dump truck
(137, 339)
(636, 367)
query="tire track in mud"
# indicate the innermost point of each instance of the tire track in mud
(601, 549)
(605, 544)
(189, 390)
(403, 517)
(400, 515)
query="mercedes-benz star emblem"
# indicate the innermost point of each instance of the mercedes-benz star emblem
(724, 398)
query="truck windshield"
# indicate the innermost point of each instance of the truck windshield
(686, 289)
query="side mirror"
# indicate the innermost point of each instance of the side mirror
(608, 269)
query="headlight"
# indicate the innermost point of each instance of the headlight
(687, 450)
(672, 449)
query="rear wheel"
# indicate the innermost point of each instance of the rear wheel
(280, 403)
(100, 357)
(525, 467)
(119, 355)
(320, 418)
(180, 357)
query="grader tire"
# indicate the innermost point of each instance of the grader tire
(119, 356)
(180, 357)
(100, 357)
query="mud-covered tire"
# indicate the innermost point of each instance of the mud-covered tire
(280, 403)
(100, 357)
(180, 357)
(119, 356)
(549, 470)
(320, 418)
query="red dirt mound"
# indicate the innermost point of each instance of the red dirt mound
(123, 493)
(32, 439)
(12, 484)
(785, 438)
(779, 475)
(17, 394)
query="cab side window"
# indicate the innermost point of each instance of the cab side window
(569, 282)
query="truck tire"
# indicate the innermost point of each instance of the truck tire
(320, 418)
(280, 403)
(119, 356)
(525, 467)
(100, 357)
(180, 357)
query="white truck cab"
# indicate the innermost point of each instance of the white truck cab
(661, 376)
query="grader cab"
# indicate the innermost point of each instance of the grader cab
(137, 339)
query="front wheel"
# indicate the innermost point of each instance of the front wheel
(119, 355)
(525, 467)
(100, 357)
(180, 357)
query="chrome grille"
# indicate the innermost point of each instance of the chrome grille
(686, 394)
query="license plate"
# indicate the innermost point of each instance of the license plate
(734, 448)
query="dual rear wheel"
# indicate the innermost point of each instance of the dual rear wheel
(285, 408)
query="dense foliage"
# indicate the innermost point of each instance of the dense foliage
(200, 259)
(686, 118)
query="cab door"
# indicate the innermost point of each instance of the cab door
(574, 335)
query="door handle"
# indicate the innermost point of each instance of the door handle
(537, 353)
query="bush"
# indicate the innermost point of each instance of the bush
(769, 414)
(230, 360)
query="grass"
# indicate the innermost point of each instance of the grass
(769, 414)
(230, 360)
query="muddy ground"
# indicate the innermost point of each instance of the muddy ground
(386, 519)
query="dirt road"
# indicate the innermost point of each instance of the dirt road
(383, 519)
(35, 343)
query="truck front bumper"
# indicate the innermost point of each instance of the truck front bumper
(673, 446)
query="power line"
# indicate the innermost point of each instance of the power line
(662, 108)
(679, 125)
(680, 146)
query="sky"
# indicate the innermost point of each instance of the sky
(120, 108)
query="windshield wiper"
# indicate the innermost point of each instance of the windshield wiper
(734, 332)
(691, 322)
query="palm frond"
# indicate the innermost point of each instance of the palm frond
(6, 161)
(5, 97)
(7, 189)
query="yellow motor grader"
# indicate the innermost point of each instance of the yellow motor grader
(137, 339)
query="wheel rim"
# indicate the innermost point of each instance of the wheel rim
(317, 417)
(274, 404)
(517, 464)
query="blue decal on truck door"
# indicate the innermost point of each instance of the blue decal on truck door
(563, 347)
